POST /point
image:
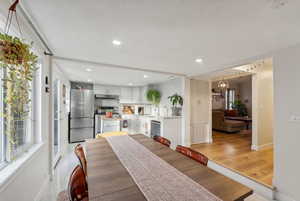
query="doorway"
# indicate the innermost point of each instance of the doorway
(242, 141)
(56, 122)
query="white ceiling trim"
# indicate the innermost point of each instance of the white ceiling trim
(116, 66)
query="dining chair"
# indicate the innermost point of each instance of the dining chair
(77, 187)
(81, 157)
(162, 140)
(63, 196)
(184, 150)
(199, 157)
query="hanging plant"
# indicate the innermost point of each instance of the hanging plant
(153, 96)
(18, 63)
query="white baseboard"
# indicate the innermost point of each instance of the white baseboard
(200, 142)
(260, 147)
(258, 188)
(43, 189)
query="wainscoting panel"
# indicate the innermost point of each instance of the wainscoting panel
(199, 132)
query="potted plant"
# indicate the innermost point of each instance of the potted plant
(176, 100)
(18, 63)
(153, 96)
(240, 107)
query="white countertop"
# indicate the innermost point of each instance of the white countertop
(154, 116)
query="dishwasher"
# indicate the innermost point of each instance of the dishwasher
(110, 125)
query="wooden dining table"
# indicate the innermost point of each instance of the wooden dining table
(108, 179)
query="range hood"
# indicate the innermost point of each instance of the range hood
(105, 96)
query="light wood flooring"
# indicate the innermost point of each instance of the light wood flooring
(233, 151)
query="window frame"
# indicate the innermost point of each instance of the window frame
(2, 134)
(33, 133)
(229, 98)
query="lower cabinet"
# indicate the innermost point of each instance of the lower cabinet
(134, 126)
(171, 129)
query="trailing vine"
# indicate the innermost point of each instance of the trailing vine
(18, 63)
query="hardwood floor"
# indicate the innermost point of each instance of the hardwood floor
(234, 151)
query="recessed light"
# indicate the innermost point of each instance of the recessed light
(88, 70)
(130, 84)
(89, 80)
(116, 42)
(199, 60)
(146, 76)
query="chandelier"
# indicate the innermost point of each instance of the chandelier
(223, 84)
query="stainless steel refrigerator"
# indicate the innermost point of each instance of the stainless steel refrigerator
(81, 115)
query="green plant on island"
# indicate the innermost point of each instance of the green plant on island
(176, 100)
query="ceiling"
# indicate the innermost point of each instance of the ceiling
(166, 35)
(101, 74)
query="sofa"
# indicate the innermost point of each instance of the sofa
(219, 123)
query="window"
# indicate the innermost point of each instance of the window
(25, 133)
(229, 98)
(2, 138)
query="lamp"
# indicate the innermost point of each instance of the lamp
(223, 84)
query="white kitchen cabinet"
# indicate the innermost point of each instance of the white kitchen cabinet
(143, 93)
(105, 89)
(134, 125)
(126, 95)
(136, 97)
(145, 123)
(171, 129)
(130, 95)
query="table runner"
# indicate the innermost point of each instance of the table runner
(158, 180)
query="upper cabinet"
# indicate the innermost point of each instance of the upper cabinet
(130, 95)
(143, 93)
(136, 95)
(126, 95)
(108, 90)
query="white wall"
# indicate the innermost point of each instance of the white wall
(200, 103)
(287, 133)
(167, 89)
(263, 106)
(31, 177)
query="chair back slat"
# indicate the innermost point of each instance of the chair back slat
(192, 154)
(162, 140)
(77, 188)
(81, 157)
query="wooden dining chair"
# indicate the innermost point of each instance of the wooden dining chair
(201, 158)
(184, 150)
(77, 187)
(81, 157)
(162, 140)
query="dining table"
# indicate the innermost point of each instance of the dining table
(109, 180)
